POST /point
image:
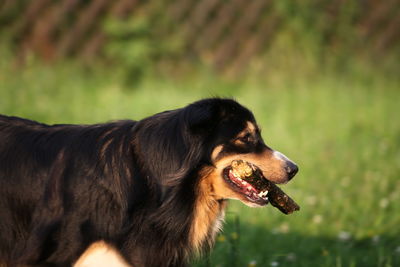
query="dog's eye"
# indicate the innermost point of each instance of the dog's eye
(246, 138)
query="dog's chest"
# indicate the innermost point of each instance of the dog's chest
(207, 222)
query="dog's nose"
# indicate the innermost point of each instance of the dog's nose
(291, 169)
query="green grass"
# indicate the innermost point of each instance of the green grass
(342, 129)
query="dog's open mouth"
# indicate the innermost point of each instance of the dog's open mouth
(248, 180)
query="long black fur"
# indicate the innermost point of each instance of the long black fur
(130, 183)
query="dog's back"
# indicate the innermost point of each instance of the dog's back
(19, 193)
(42, 169)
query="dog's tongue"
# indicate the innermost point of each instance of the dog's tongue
(276, 196)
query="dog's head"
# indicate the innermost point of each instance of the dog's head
(205, 137)
(235, 135)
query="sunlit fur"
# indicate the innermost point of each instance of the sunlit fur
(149, 191)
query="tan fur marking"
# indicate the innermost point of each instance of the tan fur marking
(208, 214)
(216, 152)
(101, 254)
(252, 128)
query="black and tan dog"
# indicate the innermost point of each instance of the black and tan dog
(153, 190)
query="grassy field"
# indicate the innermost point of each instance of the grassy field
(342, 129)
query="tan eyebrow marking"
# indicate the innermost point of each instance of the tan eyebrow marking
(251, 127)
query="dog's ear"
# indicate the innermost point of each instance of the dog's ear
(170, 144)
(201, 118)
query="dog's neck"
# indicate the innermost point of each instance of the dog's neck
(209, 213)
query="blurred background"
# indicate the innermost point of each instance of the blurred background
(322, 78)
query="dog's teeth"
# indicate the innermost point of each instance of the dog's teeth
(263, 194)
(244, 183)
(249, 188)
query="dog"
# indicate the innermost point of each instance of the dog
(154, 191)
